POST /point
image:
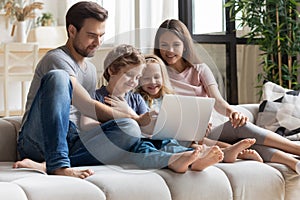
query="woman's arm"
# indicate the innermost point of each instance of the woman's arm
(221, 106)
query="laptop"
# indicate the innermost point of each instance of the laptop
(184, 118)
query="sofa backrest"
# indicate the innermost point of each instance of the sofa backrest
(9, 128)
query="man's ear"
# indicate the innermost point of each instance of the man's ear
(72, 30)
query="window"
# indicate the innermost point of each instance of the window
(129, 20)
(209, 17)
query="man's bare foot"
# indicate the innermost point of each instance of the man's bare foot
(231, 153)
(212, 156)
(180, 162)
(250, 154)
(27, 163)
(73, 172)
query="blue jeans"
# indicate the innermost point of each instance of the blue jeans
(156, 153)
(48, 135)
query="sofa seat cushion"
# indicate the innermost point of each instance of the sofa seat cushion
(254, 180)
(292, 180)
(210, 183)
(129, 184)
(49, 187)
(11, 191)
(8, 174)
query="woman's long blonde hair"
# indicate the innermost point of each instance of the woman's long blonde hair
(166, 84)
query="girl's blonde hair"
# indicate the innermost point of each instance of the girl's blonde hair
(121, 56)
(166, 85)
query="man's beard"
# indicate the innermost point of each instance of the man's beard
(82, 52)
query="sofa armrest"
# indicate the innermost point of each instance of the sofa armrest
(250, 110)
(9, 129)
(8, 142)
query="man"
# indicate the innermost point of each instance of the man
(61, 92)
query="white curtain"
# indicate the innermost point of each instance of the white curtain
(135, 21)
(248, 66)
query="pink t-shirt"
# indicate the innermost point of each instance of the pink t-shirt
(193, 81)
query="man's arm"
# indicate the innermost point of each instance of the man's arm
(95, 109)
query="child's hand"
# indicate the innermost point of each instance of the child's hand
(120, 104)
(147, 122)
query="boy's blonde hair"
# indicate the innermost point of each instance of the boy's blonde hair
(121, 56)
(166, 85)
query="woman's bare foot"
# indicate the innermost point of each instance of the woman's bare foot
(27, 163)
(73, 172)
(250, 154)
(180, 162)
(231, 153)
(213, 155)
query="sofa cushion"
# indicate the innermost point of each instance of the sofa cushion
(119, 183)
(49, 187)
(254, 180)
(272, 91)
(280, 110)
(292, 180)
(8, 174)
(210, 183)
(11, 191)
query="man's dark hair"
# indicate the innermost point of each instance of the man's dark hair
(84, 10)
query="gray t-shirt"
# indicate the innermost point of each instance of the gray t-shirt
(60, 58)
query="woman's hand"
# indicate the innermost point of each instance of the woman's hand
(237, 119)
(120, 104)
(208, 130)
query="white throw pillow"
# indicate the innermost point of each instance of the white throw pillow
(280, 110)
(272, 91)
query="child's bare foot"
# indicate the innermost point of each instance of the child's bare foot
(212, 156)
(27, 163)
(250, 154)
(180, 162)
(73, 172)
(231, 153)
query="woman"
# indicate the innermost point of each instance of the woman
(174, 45)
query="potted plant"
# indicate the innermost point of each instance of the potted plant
(274, 26)
(45, 20)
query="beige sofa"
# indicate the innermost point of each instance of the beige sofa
(247, 180)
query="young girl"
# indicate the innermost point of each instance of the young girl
(123, 68)
(155, 83)
(174, 45)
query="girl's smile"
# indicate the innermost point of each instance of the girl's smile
(151, 81)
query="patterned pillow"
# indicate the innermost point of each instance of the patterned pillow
(279, 110)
